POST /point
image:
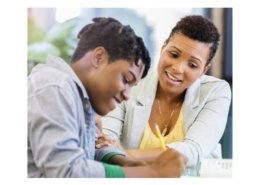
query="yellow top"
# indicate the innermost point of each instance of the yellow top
(150, 140)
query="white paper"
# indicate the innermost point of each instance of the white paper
(216, 168)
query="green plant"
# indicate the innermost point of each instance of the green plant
(60, 41)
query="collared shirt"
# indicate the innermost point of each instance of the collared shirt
(60, 140)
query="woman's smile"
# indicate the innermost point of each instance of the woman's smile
(173, 80)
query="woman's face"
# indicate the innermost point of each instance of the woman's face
(182, 62)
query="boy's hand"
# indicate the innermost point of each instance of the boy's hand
(126, 161)
(170, 164)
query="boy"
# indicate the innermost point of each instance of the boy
(63, 100)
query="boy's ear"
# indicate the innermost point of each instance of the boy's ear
(99, 56)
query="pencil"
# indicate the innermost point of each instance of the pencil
(158, 133)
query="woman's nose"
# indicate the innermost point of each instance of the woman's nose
(178, 67)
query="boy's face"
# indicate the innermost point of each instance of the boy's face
(111, 84)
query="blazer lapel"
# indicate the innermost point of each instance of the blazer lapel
(148, 90)
(140, 119)
(191, 101)
(142, 110)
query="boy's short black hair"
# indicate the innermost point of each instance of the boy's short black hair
(120, 41)
(198, 28)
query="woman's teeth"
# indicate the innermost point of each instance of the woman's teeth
(172, 78)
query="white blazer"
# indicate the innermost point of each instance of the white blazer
(205, 111)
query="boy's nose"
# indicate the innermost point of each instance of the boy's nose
(125, 92)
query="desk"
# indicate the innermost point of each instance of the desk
(213, 168)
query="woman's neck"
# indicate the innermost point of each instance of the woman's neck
(171, 98)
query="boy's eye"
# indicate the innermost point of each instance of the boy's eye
(129, 79)
(125, 80)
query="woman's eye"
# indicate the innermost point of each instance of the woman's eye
(174, 55)
(192, 65)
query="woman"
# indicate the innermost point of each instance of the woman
(189, 107)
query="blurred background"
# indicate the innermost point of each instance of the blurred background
(54, 31)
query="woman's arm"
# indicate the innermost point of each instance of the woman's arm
(114, 122)
(206, 128)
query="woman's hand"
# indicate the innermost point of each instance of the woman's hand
(102, 140)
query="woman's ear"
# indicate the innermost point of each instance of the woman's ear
(207, 67)
(99, 56)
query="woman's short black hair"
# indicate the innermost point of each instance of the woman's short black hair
(120, 41)
(198, 28)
